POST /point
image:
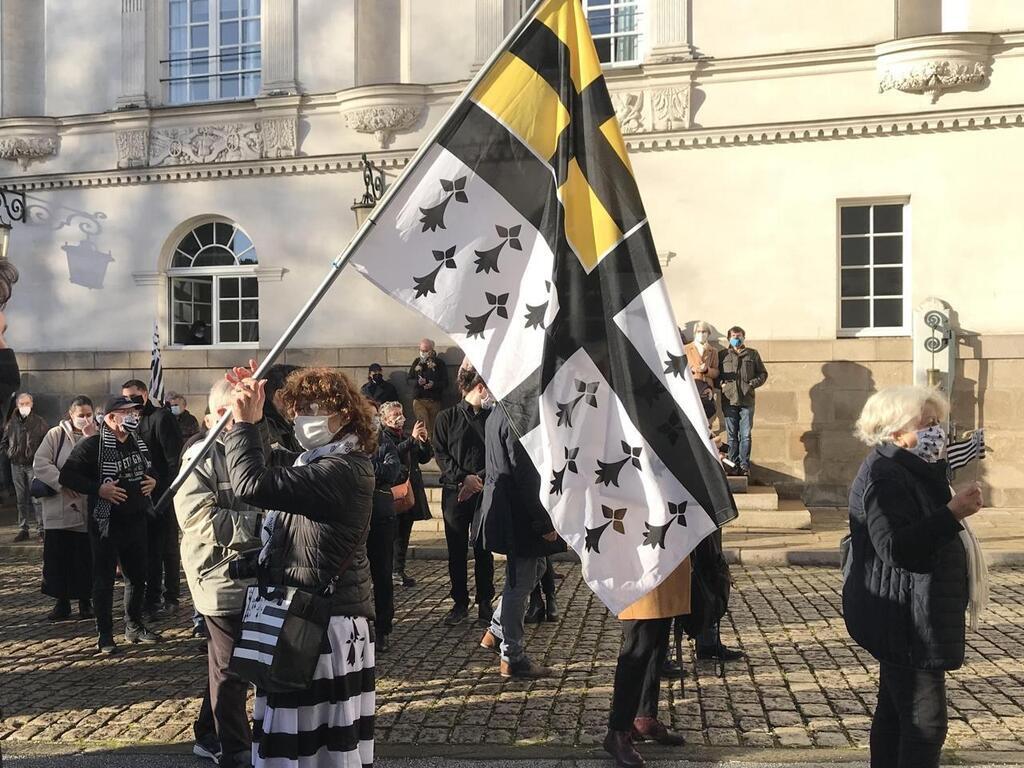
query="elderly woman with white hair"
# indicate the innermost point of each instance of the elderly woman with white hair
(908, 575)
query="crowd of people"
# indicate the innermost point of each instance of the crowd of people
(308, 498)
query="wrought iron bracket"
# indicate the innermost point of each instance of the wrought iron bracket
(373, 179)
(12, 206)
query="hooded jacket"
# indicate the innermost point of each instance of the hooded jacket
(67, 510)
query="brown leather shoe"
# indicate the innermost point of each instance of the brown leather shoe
(619, 744)
(524, 670)
(490, 643)
(650, 729)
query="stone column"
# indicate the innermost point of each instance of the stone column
(134, 56)
(24, 58)
(277, 30)
(669, 31)
(490, 30)
(378, 49)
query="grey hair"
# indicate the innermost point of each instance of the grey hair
(220, 394)
(388, 407)
(896, 409)
(24, 394)
(702, 325)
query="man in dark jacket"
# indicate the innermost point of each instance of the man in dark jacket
(159, 430)
(113, 469)
(459, 447)
(188, 424)
(513, 523)
(388, 471)
(25, 431)
(428, 375)
(377, 389)
(741, 372)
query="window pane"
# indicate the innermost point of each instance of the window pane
(249, 257)
(178, 93)
(888, 218)
(182, 290)
(625, 19)
(181, 334)
(204, 290)
(854, 251)
(229, 61)
(250, 287)
(888, 313)
(222, 233)
(251, 31)
(215, 256)
(889, 249)
(181, 261)
(229, 310)
(229, 33)
(240, 242)
(250, 7)
(200, 36)
(179, 12)
(229, 88)
(854, 220)
(251, 59)
(229, 9)
(889, 282)
(600, 21)
(229, 287)
(855, 314)
(200, 10)
(856, 282)
(250, 331)
(200, 64)
(625, 48)
(604, 50)
(229, 332)
(250, 309)
(179, 39)
(204, 234)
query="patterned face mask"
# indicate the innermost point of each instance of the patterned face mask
(931, 444)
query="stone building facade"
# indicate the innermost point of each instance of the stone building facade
(812, 172)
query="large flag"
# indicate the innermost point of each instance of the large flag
(156, 371)
(522, 235)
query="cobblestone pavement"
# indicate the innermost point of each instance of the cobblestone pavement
(803, 685)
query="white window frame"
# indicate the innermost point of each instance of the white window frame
(906, 296)
(240, 270)
(639, 8)
(180, 60)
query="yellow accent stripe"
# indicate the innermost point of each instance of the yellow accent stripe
(588, 227)
(566, 19)
(523, 101)
(613, 136)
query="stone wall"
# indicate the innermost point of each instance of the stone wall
(803, 434)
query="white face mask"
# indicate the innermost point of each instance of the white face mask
(81, 422)
(701, 337)
(312, 431)
(176, 410)
(931, 444)
(130, 422)
(487, 402)
(24, 410)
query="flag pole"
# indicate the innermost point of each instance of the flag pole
(342, 259)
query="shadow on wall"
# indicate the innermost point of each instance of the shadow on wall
(832, 454)
(87, 265)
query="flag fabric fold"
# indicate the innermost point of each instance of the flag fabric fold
(156, 371)
(523, 236)
(959, 455)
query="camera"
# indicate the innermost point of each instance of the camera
(245, 567)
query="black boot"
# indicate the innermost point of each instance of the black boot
(85, 609)
(61, 611)
(550, 608)
(535, 612)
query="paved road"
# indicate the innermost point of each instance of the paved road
(804, 685)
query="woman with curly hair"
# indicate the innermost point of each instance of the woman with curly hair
(315, 537)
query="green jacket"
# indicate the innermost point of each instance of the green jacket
(740, 373)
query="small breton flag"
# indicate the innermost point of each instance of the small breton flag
(959, 455)
(156, 371)
(523, 236)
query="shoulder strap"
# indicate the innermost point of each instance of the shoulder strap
(60, 445)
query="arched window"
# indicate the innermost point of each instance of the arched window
(215, 296)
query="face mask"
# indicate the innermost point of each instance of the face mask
(735, 343)
(81, 422)
(931, 444)
(312, 431)
(488, 402)
(701, 337)
(130, 422)
(176, 410)
(24, 410)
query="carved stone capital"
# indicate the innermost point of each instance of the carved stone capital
(935, 64)
(651, 110)
(384, 120)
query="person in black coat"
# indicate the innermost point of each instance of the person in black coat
(413, 451)
(388, 471)
(377, 389)
(159, 430)
(906, 583)
(513, 522)
(459, 447)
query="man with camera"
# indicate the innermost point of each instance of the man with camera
(219, 547)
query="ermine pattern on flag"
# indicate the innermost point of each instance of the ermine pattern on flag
(959, 455)
(156, 370)
(523, 236)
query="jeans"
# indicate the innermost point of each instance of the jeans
(164, 569)
(910, 723)
(126, 544)
(223, 714)
(403, 532)
(27, 506)
(380, 550)
(739, 423)
(458, 519)
(522, 574)
(638, 671)
(546, 588)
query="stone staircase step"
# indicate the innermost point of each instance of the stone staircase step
(738, 484)
(757, 498)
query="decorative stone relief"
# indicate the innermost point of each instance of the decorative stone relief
(279, 137)
(934, 77)
(652, 109)
(132, 148)
(383, 121)
(25, 149)
(935, 64)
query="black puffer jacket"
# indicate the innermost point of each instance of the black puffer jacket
(906, 590)
(324, 515)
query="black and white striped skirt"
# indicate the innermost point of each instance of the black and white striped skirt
(331, 724)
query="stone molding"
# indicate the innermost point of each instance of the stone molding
(383, 110)
(23, 141)
(653, 110)
(267, 139)
(935, 64)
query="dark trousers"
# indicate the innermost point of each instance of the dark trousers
(458, 520)
(223, 712)
(638, 672)
(380, 550)
(403, 532)
(126, 544)
(164, 570)
(910, 723)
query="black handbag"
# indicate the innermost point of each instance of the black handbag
(40, 490)
(709, 586)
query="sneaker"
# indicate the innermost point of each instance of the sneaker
(22, 536)
(397, 579)
(456, 615)
(141, 635)
(61, 611)
(484, 615)
(207, 747)
(107, 645)
(524, 669)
